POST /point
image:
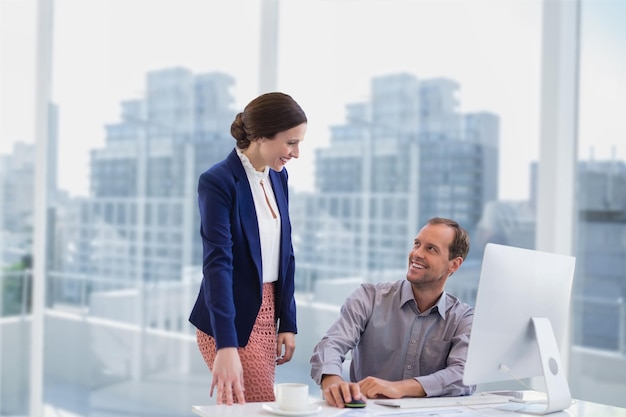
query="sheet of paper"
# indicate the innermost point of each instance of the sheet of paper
(447, 412)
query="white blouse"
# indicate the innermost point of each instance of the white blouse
(267, 215)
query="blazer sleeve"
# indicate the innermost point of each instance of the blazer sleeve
(215, 205)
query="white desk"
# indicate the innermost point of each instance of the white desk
(578, 409)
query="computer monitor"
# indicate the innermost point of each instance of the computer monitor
(520, 320)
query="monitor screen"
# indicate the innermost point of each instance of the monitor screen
(519, 291)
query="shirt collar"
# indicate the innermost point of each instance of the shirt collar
(407, 295)
(441, 305)
(250, 170)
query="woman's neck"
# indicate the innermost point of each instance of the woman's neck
(254, 157)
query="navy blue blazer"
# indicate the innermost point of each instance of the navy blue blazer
(230, 294)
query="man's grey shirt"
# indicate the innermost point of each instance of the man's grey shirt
(392, 340)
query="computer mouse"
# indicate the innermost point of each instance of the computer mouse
(355, 404)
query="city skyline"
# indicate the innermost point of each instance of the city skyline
(105, 239)
(119, 256)
(497, 74)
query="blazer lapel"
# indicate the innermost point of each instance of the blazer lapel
(247, 211)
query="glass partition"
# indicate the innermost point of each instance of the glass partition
(17, 161)
(599, 308)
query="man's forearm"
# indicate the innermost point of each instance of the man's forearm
(411, 388)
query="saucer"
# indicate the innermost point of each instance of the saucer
(274, 409)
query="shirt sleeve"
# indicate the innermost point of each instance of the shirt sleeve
(449, 381)
(342, 336)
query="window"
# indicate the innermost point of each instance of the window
(431, 116)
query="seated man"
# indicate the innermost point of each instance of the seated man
(408, 338)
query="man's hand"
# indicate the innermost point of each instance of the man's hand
(375, 388)
(337, 392)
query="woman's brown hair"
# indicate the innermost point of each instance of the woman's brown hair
(265, 116)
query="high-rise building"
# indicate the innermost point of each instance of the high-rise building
(599, 290)
(404, 156)
(18, 189)
(17, 192)
(140, 223)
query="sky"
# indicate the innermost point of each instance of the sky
(603, 80)
(329, 50)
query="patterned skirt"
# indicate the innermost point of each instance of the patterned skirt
(258, 357)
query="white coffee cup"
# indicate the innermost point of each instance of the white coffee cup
(292, 396)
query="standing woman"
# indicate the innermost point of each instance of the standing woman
(245, 313)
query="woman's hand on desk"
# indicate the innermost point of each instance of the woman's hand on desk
(228, 377)
(338, 392)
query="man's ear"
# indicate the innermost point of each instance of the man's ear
(455, 264)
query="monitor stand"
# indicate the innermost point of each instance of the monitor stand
(557, 387)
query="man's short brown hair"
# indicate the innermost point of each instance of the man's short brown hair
(461, 243)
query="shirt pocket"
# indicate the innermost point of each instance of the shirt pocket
(434, 356)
